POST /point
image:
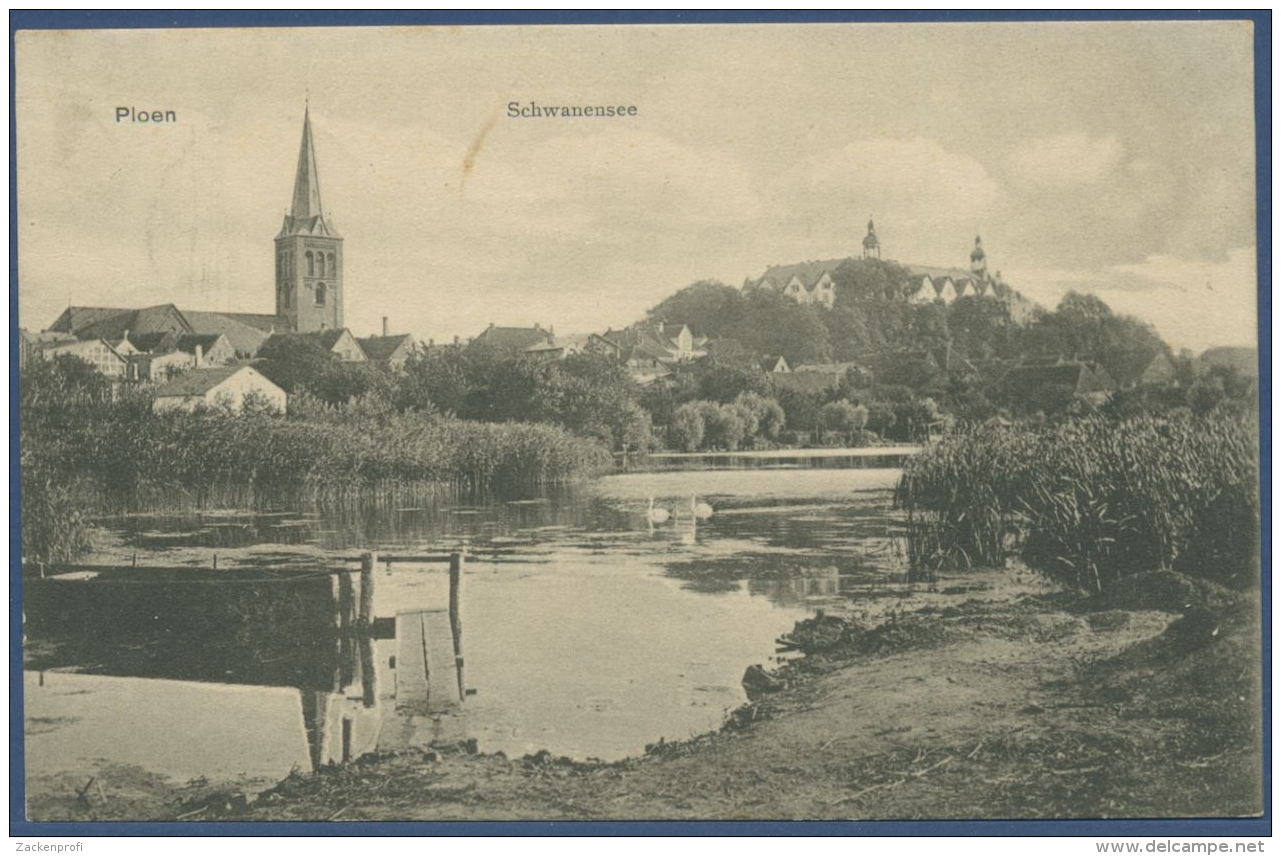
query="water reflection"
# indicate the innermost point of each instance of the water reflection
(590, 631)
(305, 632)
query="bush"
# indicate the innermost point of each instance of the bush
(687, 428)
(1093, 500)
(55, 525)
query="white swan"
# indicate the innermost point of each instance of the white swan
(700, 510)
(657, 515)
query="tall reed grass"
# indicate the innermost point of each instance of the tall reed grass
(1092, 500)
(127, 452)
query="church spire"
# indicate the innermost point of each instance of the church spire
(307, 179)
(871, 243)
(309, 252)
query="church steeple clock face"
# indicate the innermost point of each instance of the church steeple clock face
(309, 252)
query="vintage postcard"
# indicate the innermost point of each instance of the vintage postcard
(828, 421)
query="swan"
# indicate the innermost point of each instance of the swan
(700, 510)
(657, 515)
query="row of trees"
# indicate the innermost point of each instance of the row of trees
(727, 401)
(589, 394)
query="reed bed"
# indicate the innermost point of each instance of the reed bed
(1090, 501)
(124, 452)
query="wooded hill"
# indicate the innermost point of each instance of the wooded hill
(872, 316)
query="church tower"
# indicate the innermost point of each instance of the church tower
(871, 244)
(309, 286)
(978, 260)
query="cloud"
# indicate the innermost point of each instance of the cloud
(886, 173)
(1065, 161)
(928, 201)
(1193, 303)
(611, 185)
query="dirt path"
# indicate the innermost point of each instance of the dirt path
(1010, 702)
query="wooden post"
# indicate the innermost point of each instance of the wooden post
(367, 563)
(456, 618)
(215, 567)
(346, 641)
(368, 673)
(346, 740)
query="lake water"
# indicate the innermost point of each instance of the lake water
(588, 630)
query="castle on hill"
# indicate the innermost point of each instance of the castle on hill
(812, 282)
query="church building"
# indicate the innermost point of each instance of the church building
(309, 282)
(308, 290)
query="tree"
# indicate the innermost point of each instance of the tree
(914, 416)
(687, 427)
(1084, 327)
(881, 417)
(65, 382)
(724, 383)
(340, 382)
(870, 279)
(980, 327)
(764, 416)
(708, 306)
(844, 417)
(801, 408)
(591, 394)
(434, 380)
(723, 426)
(293, 361)
(774, 324)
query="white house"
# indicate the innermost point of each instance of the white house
(96, 352)
(226, 386)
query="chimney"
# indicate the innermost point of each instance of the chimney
(431, 343)
(551, 329)
(200, 356)
(386, 328)
(456, 342)
(536, 327)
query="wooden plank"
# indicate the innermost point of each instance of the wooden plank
(442, 673)
(392, 558)
(426, 680)
(795, 454)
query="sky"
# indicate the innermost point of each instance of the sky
(1114, 158)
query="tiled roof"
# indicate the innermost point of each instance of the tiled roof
(112, 323)
(244, 338)
(258, 320)
(153, 341)
(187, 344)
(381, 348)
(1022, 380)
(512, 338)
(198, 381)
(325, 338)
(808, 272)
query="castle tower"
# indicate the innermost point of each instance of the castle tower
(978, 259)
(309, 286)
(871, 244)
